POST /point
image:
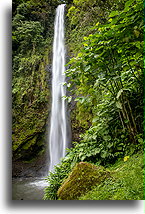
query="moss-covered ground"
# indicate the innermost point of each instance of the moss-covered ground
(126, 182)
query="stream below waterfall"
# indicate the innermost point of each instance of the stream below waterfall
(28, 188)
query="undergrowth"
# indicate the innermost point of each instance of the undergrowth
(125, 184)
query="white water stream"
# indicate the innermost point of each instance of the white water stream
(58, 122)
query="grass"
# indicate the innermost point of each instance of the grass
(126, 182)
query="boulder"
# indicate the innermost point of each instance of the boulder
(82, 179)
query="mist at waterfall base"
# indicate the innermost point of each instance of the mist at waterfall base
(59, 133)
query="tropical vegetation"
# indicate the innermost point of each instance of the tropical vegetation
(104, 69)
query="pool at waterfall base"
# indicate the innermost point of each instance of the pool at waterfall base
(28, 188)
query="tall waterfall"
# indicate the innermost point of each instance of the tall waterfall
(58, 122)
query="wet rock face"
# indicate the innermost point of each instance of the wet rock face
(82, 178)
(34, 168)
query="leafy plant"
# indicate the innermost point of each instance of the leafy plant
(108, 71)
(56, 178)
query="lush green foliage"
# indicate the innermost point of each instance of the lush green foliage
(107, 76)
(56, 178)
(126, 182)
(82, 15)
(105, 79)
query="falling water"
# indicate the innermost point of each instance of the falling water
(58, 124)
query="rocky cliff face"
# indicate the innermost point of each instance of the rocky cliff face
(32, 41)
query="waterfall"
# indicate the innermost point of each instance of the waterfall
(58, 122)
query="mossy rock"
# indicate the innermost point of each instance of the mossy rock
(82, 178)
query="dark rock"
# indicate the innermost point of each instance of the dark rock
(34, 168)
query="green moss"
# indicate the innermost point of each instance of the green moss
(125, 184)
(28, 128)
(82, 178)
(30, 143)
(30, 89)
